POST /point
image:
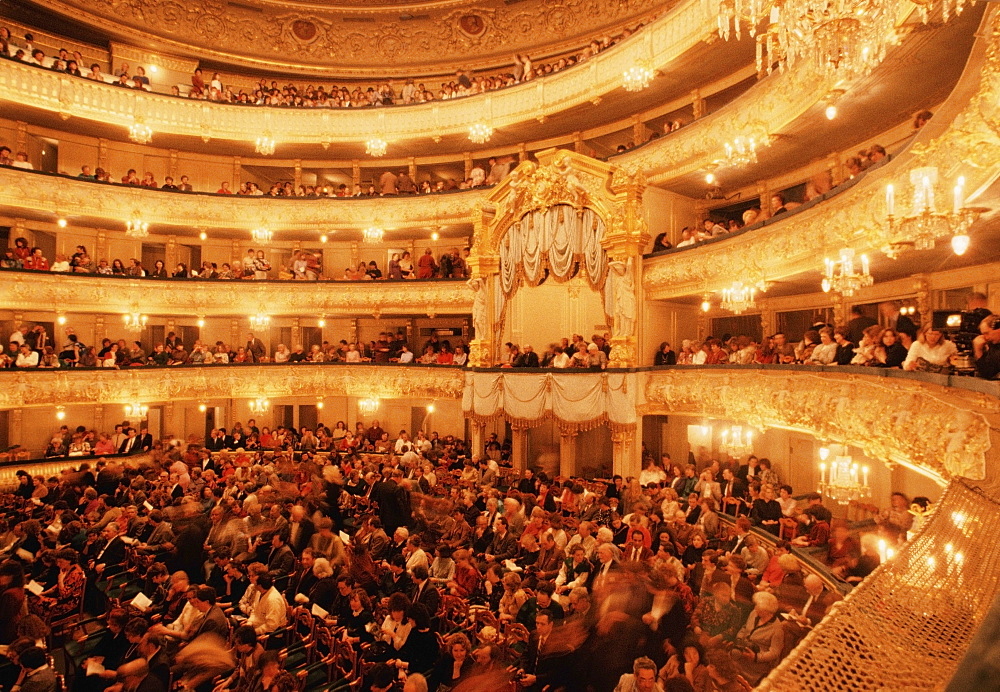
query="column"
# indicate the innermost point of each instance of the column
(172, 165)
(355, 173)
(625, 242)
(354, 332)
(22, 137)
(764, 193)
(578, 142)
(478, 436)
(567, 451)
(296, 331)
(99, 331)
(16, 431)
(413, 168)
(237, 174)
(355, 254)
(20, 230)
(638, 130)
(101, 247)
(99, 418)
(297, 175)
(467, 156)
(924, 306)
(102, 153)
(626, 451)
(522, 152)
(697, 104)
(234, 332)
(519, 446)
(170, 255)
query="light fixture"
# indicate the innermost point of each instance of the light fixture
(831, 112)
(926, 221)
(261, 235)
(710, 178)
(202, 407)
(373, 234)
(319, 402)
(376, 146)
(259, 406)
(153, 69)
(201, 321)
(321, 322)
(435, 235)
(368, 406)
(947, 7)
(737, 441)
(739, 298)
(430, 408)
(61, 318)
(136, 410)
(842, 276)
(134, 321)
(847, 481)
(203, 235)
(323, 238)
(60, 412)
(741, 151)
(824, 453)
(139, 132)
(61, 222)
(260, 320)
(265, 144)
(637, 77)
(480, 133)
(706, 304)
(136, 228)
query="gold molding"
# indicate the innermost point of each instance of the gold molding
(94, 294)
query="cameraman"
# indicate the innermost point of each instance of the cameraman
(986, 348)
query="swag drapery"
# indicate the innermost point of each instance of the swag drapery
(580, 401)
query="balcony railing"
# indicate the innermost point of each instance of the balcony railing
(659, 43)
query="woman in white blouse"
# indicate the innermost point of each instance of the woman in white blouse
(932, 347)
(825, 352)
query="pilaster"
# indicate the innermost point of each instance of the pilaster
(567, 452)
(519, 446)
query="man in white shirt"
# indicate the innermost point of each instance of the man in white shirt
(17, 336)
(405, 354)
(269, 613)
(26, 358)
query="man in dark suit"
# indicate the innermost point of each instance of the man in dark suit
(113, 552)
(734, 492)
(130, 445)
(216, 442)
(395, 579)
(504, 545)
(750, 470)
(300, 529)
(303, 579)
(213, 619)
(424, 592)
(281, 559)
(605, 565)
(393, 503)
(145, 439)
(255, 347)
(136, 677)
(636, 550)
(38, 675)
(546, 660)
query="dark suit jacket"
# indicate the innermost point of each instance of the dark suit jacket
(306, 530)
(40, 681)
(550, 665)
(735, 488)
(151, 683)
(430, 597)
(112, 554)
(129, 445)
(281, 561)
(215, 444)
(145, 442)
(214, 621)
(503, 547)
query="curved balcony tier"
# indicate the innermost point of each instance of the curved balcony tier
(43, 194)
(962, 136)
(659, 44)
(87, 293)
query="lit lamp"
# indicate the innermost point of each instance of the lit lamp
(637, 77)
(368, 406)
(376, 146)
(259, 406)
(261, 235)
(847, 481)
(373, 234)
(134, 321)
(136, 410)
(139, 132)
(842, 276)
(480, 133)
(60, 412)
(927, 220)
(737, 441)
(260, 320)
(739, 298)
(265, 144)
(136, 228)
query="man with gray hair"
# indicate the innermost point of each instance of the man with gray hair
(641, 679)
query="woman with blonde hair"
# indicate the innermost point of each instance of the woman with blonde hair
(930, 351)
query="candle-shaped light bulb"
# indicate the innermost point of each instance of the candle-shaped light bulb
(864, 471)
(958, 198)
(822, 473)
(890, 199)
(864, 264)
(882, 549)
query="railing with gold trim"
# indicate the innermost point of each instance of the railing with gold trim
(89, 293)
(659, 43)
(43, 192)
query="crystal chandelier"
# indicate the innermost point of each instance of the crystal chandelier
(260, 320)
(368, 406)
(847, 480)
(734, 14)
(741, 151)
(376, 146)
(258, 406)
(480, 133)
(134, 321)
(373, 234)
(926, 222)
(140, 133)
(265, 144)
(948, 8)
(136, 410)
(637, 77)
(842, 276)
(737, 441)
(261, 235)
(136, 228)
(739, 298)
(60, 412)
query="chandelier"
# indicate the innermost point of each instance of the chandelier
(637, 77)
(140, 133)
(136, 228)
(373, 234)
(368, 406)
(948, 7)
(265, 144)
(261, 235)
(258, 406)
(741, 151)
(739, 298)
(136, 410)
(134, 321)
(842, 276)
(60, 412)
(376, 146)
(926, 222)
(260, 320)
(480, 133)
(845, 483)
(737, 441)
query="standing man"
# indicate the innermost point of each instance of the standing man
(255, 347)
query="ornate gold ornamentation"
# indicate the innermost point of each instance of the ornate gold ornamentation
(52, 387)
(941, 429)
(26, 190)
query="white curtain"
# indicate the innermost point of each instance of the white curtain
(577, 398)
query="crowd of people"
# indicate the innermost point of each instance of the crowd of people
(269, 93)
(568, 352)
(863, 341)
(30, 347)
(428, 566)
(304, 266)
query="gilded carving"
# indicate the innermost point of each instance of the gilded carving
(78, 293)
(940, 429)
